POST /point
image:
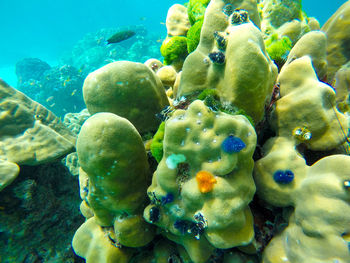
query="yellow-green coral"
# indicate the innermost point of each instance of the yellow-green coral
(193, 36)
(196, 9)
(278, 48)
(157, 143)
(174, 49)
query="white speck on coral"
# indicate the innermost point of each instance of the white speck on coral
(108, 173)
(199, 122)
(249, 134)
(120, 83)
(204, 130)
(182, 143)
(173, 160)
(214, 141)
(188, 129)
(199, 114)
(115, 161)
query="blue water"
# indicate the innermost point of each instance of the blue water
(46, 29)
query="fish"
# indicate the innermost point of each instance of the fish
(120, 36)
(49, 99)
(73, 92)
(53, 104)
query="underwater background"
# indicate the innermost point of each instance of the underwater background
(48, 48)
(48, 29)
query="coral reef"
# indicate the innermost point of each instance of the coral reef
(235, 124)
(57, 88)
(217, 155)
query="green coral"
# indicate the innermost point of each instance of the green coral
(174, 49)
(278, 48)
(196, 10)
(157, 143)
(193, 36)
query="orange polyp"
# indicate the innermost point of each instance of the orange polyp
(205, 181)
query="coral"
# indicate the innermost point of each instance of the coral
(312, 44)
(29, 133)
(153, 64)
(245, 55)
(157, 143)
(319, 196)
(111, 175)
(129, 89)
(194, 136)
(8, 172)
(174, 50)
(177, 22)
(281, 11)
(90, 242)
(196, 9)
(193, 36)
(278, 48)
(338, 39)
(341, 85)
(299, 108)
(74, 121)
(113, 187)
(167, 75)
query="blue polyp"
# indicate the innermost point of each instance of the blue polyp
(283, 177)
(167, 199)
(232, 144)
